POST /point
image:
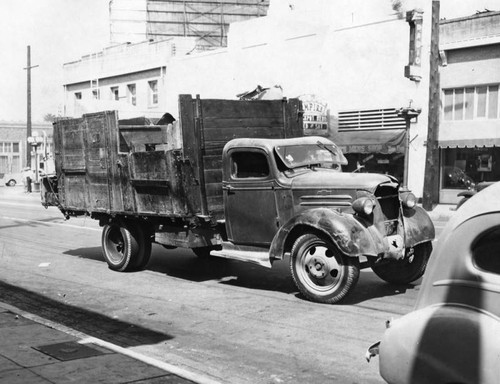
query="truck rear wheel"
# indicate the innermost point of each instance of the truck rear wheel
(320, 271)
(125, 247)
(408, 269)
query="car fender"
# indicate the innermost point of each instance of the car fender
(468, 193)
(423, 346)
(350, 236)
(418, 226)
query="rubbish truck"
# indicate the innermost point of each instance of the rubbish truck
(237, 179)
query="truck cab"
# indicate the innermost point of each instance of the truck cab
(289, 197)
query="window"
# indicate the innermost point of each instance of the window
(131, 92)
(485, 251)
(153, 92)
(471, 103)
(10, 161)
(249, 164)
(95, 94)
(115, 93)
(78, 95)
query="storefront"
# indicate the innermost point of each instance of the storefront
(373, 141)
(463, 167)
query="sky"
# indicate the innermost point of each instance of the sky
(61, 31)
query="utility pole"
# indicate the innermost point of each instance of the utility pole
(431, 187)
(28, 117)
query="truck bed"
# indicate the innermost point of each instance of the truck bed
(108, 167)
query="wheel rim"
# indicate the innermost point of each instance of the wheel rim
(116, 245)
(319, 268)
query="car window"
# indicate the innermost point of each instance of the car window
(249, 164)
(296, 156)
(486, 251)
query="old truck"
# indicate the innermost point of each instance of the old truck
(237, 179)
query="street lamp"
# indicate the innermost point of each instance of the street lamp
(408, 114)
(35, 142)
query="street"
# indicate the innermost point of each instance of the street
(230, 321)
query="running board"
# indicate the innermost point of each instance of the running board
(247, 253)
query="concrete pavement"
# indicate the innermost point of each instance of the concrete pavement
(37, 351)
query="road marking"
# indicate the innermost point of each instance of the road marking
(49, 223)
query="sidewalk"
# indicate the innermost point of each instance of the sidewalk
(36, 351)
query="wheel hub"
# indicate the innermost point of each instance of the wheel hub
(317, 267)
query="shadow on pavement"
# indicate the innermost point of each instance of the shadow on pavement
(183, 264)
(91, 253)
(90, 323)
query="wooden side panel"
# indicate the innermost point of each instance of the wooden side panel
(157, 179)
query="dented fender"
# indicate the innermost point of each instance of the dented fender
(344, 230)
(418, 226)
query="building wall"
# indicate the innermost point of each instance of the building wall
(13, 145)
(469, 130)
(355, 67)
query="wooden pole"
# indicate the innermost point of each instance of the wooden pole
(28, 105)
(431, 179)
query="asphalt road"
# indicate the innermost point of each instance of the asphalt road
(230, 321)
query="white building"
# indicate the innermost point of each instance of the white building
(354, 62)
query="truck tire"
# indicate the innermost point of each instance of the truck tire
(320, 271)
(406, 270)
(125, 247)
(11, 183)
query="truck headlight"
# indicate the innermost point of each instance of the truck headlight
(363, 206)
(408, 199)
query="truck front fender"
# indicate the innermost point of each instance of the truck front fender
(418, 226)
(350, 236)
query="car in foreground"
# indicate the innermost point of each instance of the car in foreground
(453, 334)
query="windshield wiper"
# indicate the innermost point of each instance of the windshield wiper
(323, 146)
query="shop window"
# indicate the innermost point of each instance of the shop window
(493, 101)
(448, 104)
(481, 101)
(463, 168)
(459, 104)
(471, 103)
(153, 92)
(131, 94)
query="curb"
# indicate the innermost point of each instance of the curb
(86, 339)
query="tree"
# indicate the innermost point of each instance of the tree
(50, 117)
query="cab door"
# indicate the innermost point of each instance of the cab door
(249, 198)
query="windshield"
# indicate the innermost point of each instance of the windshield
(320, 154)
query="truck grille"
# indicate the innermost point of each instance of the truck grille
(388, 198)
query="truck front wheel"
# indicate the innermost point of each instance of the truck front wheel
(320, 271)
(408, 269)
(125, 247)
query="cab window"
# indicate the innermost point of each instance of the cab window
(249, 164)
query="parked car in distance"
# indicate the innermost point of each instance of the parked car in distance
(453, 335)
(466, 195)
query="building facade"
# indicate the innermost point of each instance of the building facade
(344, 66)
(469, 132)
(14, 146)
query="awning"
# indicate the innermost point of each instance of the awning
(371, 141)
(470, 143)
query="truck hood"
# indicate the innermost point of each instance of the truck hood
(337, 180)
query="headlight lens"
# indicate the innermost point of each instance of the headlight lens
(364, 206)
(409, 200)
